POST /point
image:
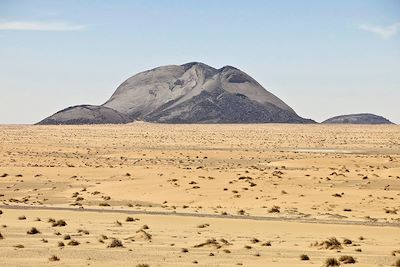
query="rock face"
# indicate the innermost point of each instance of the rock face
(362, 118)
(189, 93)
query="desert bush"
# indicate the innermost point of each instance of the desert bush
(347, 241)
(61, 244)
(59, 223)
(241, 212)
(394, 252)
(22, 217)
(185, 250)
(274, 209)
(1, 236)
(73, 243)
(204, 225)
(115, 243)
(86, 232)
(347, 259)
(33, 231)
(331, 262)
(142, 265)
(54, 258)
(397, 263)
(129, 219)
(331, 243)
(266, 244)
(304, 257)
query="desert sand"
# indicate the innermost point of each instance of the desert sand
(199, 195)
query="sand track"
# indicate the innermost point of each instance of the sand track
(202, 215)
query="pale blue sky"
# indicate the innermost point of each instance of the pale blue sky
(323, 58)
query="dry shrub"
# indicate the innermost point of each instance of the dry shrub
(59, 223)
(347, 241)
(204, 225)
(331, 262)
(304, 257)
(33, 231)
(115, 243)
(274, 209)
(54, 258)
(331, 243)
(347, 259)
(73, 243)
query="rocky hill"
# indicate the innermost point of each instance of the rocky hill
(362, 118)
(189, 93)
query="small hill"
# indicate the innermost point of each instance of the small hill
(86, 114)
(362, 118)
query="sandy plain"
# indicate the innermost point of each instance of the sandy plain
(199, 195)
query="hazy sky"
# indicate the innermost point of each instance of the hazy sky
(323, 58)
